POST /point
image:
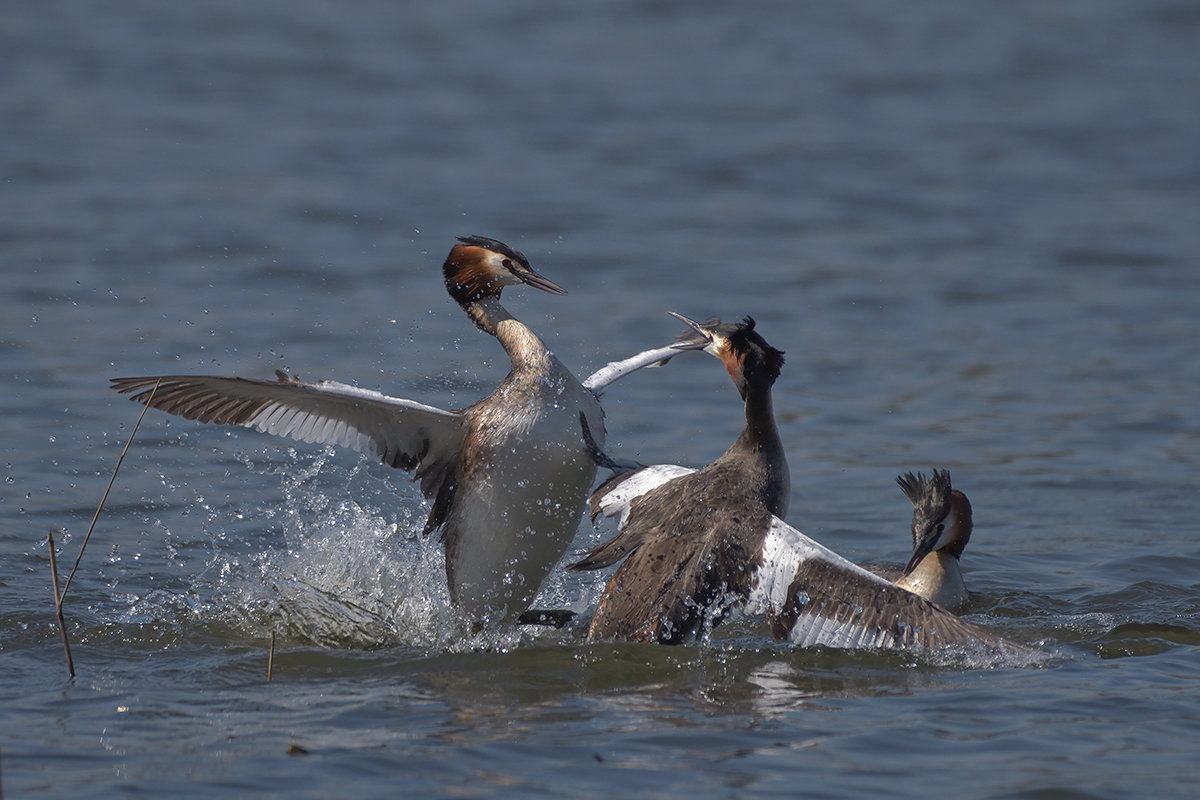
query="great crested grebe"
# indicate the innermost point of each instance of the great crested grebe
(507, 476)
(702, 545)
(941, 528)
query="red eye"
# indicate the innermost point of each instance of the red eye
(507, 263)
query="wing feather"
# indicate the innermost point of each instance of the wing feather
(815, 597)
(400, 433)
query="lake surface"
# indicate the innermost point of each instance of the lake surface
(973, 230)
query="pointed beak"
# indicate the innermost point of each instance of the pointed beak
(531, 278)
(926, 544)
(696, 339)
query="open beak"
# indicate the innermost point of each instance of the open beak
(697, 338)
(531, 278)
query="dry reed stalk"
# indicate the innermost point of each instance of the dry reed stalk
(62, 625)
(61, 595)
(108, 489)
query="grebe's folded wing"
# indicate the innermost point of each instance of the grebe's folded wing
(814, 597)
(614, 496)
(400, 433)
(613, 499)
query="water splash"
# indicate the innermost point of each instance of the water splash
(336, 558)
(352, 568)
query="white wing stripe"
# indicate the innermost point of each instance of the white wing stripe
(618, 499)
(811, 630)
(346, 390)
(290, 422)
(342, 433)
(265, 419)
(781, 561)
(318, 427)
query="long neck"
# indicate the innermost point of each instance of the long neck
(760, 442)
(960, 514)
(523, 346)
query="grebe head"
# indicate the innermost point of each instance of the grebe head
(479, 267)
(941, 515)
(746, 355)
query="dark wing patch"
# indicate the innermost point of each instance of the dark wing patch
(830, 605)
(610, 552)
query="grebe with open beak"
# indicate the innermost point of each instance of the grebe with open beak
(702, 545)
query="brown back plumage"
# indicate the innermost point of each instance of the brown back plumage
(687, 544)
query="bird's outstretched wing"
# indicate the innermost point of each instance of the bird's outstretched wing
(400, 433)
(688, 562)
(814, 597)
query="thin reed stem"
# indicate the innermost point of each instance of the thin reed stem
(62, 625)
(107, 489)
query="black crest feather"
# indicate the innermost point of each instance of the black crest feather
(747, 339)
(931, 493)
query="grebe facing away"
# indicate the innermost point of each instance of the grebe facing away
(941, 528)
(702, 545)
(507, 476)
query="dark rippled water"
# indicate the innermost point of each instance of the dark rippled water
(973, 229)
